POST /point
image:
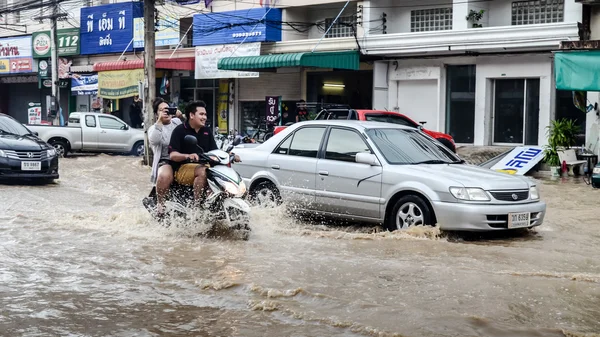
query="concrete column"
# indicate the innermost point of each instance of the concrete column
(460, 10)
(573, 11)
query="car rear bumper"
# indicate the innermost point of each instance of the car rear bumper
(11, 169)
(482, 217)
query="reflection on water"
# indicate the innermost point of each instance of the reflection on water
(83, 257)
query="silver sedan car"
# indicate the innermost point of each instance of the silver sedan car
(388, 174)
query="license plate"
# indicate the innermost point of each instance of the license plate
(31, 166)
(518, 220)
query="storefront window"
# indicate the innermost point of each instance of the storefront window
(566, 109)
(354, 88)
(254, 115)
(516, 111)
(460, 103)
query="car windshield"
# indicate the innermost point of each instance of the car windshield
(410, 146)
(389, 118)
(10, 126)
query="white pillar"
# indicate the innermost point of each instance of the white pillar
(573, 11)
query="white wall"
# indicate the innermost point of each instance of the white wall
(320, 13)
(488, 69)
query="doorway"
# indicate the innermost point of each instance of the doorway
(516, 111)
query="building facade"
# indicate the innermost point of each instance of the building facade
(480, 71)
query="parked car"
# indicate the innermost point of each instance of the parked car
(384, 173)
(92, 132)
(23, 155)
(380, 116)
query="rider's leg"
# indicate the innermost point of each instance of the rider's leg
(199, 182)
(163, 182)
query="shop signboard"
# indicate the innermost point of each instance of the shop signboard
(166, 35)
(109, 28)
(520, 160)
(68, 43)
(15, 55)
(119, 83)
(247, 25)
(84, 84)
(223, 105)
(207, 60)
(273, 108)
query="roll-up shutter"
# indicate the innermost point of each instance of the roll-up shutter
(270, 84)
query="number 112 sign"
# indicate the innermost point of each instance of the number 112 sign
(68, 43)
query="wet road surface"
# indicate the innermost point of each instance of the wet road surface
(82, 258)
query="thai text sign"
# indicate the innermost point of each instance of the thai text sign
(15, 55)
(273, 108)
(120, 83)
(520, 160)
(108, 28)
(207, 59)
(68, 43)
(167, 34)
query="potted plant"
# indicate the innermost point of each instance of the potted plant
(474, 17)
(562, 134)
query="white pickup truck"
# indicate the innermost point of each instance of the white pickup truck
(92, 132)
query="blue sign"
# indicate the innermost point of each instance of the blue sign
(520, 160)
(108, 28)
(237, 26)
(82, 85)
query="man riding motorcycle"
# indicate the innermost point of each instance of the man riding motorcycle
(188, 171)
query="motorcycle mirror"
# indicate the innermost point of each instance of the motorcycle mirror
(190, 141)
(237, 141)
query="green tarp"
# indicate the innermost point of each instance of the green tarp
(577, 70)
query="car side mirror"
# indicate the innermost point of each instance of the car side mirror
(125, 127)
(35, 133)
(367, 158)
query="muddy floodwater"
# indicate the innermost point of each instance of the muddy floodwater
(82, 258)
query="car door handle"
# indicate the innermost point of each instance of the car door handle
(102, 131)
(275, 167)
(323, 173)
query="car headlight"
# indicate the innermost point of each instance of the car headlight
(2, 154)
(51, 152)
(534, 194)
(469, 194)
(596, 169)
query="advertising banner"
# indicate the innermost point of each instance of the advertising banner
(108, 28)
(15, 55)
(68, 43)
(248, 25)
(34, 113)
(120, 83)
(223, 106)
(167, 34)
(207, 59)
(84, 84)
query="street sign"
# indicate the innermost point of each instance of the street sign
(68, 43)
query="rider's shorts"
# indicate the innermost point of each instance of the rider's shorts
(186, 173)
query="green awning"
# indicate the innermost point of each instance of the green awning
(577, 70)
(338, 60)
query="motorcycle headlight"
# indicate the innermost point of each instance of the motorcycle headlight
(2, 154)
(534, 193)
(233, 189)
(51, 152)
(469, 194)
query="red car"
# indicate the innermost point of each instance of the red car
(381, 116)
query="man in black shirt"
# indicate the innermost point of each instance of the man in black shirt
(184, 160)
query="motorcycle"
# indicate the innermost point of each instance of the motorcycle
(224, 195)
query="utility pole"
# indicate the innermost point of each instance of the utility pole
(54, 52)
(149, 72)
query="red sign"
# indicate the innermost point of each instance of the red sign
(18, 65)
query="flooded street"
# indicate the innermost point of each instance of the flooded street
(83, 258)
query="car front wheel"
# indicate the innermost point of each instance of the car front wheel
(409, 211)
(266, 195)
